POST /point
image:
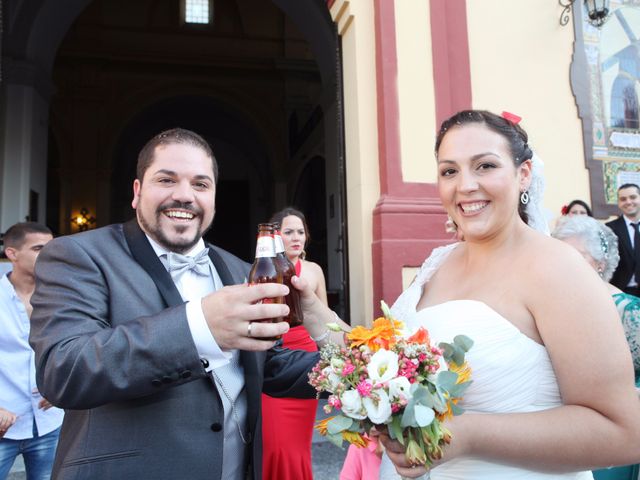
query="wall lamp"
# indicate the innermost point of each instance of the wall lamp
(83, 220)
(597, 11)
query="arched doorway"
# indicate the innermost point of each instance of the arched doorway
(110, 61)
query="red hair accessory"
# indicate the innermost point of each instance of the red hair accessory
(512, 117)
(565, 209)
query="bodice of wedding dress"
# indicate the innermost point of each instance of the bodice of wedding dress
(510, 371)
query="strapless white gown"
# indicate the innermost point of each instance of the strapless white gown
(510, 371)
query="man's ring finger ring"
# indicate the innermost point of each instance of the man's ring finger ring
(249, 329)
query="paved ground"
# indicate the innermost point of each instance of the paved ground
(327, 459)
(327, 462)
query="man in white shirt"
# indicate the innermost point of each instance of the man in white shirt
(29, 425)
(627, 229)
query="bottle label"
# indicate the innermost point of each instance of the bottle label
(279, 243)
(264, 247)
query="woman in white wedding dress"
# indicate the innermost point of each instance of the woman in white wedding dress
(553, 387)
(553, 392)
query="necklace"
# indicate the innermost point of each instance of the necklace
(232, 403)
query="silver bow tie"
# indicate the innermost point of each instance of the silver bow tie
(178, 264)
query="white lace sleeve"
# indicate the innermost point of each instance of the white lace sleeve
(407, 301)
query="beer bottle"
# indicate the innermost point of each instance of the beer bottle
(264, 268)
(283, 264)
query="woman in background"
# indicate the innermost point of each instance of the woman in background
(577, 207)
(599, 246)
(287, 423)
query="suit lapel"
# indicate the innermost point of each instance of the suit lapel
(623, 236)
(221, 267)
(143, 253)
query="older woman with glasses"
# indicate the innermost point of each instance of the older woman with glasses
(599, 246)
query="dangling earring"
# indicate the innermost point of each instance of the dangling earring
(524, 197)
(450, 226)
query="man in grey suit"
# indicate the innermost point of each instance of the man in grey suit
(147, 337)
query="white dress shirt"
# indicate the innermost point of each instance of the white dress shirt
(192, 288)
(18, 391)
(632, 234)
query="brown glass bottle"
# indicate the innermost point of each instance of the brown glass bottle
(284, 265)
(264, 268)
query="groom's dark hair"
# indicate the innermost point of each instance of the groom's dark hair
(170, 137)
(514, 134)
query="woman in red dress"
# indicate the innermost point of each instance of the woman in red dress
(287, 423)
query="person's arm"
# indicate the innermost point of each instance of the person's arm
(321, 285)
(85, 357)
(599, 423)
(317, 315)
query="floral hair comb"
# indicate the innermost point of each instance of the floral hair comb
(512, 117)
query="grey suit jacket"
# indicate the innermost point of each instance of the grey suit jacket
(114, 349)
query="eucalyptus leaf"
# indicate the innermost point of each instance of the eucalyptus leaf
(439, 402)
(426, 399)
(446, 380)
(464, 342)
(424, 415)
(420, 393)
(395, 430)
(338, 424)
(458, 389)
(447, 350)
(456, 410)
(336, 439)
(408, 416)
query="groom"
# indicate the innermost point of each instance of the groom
(144, 335)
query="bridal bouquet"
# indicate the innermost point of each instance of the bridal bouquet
(384, 379)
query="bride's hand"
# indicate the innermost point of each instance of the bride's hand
(395, 451)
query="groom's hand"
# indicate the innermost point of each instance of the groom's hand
(238, 319)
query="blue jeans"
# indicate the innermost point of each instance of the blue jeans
(37, 452)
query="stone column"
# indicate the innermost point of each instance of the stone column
(23, 142)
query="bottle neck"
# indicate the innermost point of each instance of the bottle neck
(265, 246)
(279, 243)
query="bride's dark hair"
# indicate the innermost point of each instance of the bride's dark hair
(514, 134)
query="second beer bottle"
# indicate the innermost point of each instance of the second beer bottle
(264, 269)
(283, 264)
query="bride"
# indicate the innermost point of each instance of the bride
(553, 386)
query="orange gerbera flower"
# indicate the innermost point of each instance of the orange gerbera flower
(381, 335)
(421, 336)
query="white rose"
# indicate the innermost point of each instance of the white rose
(332, 378)
(383, 366)
(399, 386)
(378, 411)
(352, 405)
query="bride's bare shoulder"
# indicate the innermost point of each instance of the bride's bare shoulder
(551, 258)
